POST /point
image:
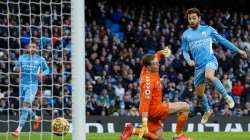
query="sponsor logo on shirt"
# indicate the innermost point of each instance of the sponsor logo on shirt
(201, 42)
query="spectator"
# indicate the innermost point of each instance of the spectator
(237, 90)
(119, 91)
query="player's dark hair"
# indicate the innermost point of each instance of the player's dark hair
(193, 11)
(146, 60)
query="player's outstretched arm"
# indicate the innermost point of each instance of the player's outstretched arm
(166, 52)
(215, 35)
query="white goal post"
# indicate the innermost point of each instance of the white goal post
(78, 69)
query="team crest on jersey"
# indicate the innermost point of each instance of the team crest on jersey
(204, 33)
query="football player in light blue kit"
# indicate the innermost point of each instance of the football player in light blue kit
(197, 40)
(32, 68)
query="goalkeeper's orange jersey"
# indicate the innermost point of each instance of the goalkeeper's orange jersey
(150, 90)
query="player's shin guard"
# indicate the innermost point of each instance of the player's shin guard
(148, 135)
(204, 102)
(219, 87)
(181, 121)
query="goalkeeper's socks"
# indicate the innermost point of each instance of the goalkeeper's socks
(219, 87)
(204, 102)
(148, 135)
(181, 121)
(24, 116)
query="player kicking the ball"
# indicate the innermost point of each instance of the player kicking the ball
(151, 108)
(198, 40)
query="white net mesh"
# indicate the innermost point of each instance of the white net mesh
(46, 22)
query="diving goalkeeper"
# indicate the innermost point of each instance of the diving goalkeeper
(152, 109)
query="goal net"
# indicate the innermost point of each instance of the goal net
(47, 22)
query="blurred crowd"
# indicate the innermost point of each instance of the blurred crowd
(117, 36)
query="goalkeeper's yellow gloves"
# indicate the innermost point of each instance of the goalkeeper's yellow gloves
(166, 52)
(144, 128)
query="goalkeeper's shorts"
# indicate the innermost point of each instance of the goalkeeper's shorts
(157, 114)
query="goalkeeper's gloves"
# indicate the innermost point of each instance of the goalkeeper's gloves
(144, 128)
(166, 52)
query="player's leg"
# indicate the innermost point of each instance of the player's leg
(25, 111)
(209, 74)
(154, 124)
(129, 130)
(199, 90)
(38, 119)
(200, 85)
(182, 110)
(32, 91)
(200, 93)
(28, 96)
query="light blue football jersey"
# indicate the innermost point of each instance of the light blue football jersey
(199, 42)
(30, 66)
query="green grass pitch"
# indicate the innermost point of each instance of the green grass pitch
(115, 136)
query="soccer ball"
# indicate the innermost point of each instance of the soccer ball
(60, 126)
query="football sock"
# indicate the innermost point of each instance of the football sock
(181, 121)
(219, 87)
(204, 102)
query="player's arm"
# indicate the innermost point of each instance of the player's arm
(215, 35)
(45, 68)
(146, 90)
(184, 46)
(166, 52)
(17, 67)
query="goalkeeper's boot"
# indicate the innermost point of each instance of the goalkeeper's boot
(230, 101)
(182, 137)
(16, 133)
(206, 116)
(37, 122)
(127, 132)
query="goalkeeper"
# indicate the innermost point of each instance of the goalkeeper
(30, 66)
(151, 108)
